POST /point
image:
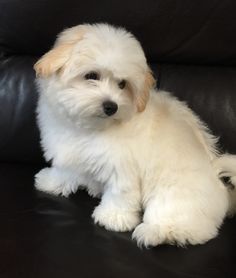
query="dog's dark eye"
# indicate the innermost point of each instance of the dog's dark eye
(92, 76)
(122, 84)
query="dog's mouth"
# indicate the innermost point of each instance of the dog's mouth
(101, 116)
(105, 117)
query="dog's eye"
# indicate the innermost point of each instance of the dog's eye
(92, 76)
(122, 84)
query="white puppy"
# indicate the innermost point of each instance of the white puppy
(104, 127)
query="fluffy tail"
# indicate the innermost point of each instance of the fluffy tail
(225, 166)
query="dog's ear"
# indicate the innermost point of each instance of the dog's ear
(53, 60)
(143, 96)
(57, 57)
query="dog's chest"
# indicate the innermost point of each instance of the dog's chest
(89, 154)
(99, 156)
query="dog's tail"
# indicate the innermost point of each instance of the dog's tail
(225, 166)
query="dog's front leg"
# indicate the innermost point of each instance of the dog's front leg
(119, 209)
(57, 181)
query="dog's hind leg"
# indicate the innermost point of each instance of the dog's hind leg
(187, 208)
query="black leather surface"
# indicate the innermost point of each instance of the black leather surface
(43, 237)
(19, 139)
(183, 31)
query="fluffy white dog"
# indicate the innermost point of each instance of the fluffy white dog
(147, 155)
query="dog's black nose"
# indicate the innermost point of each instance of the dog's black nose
(109, 108)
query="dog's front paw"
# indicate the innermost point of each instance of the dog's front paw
(154, 234)
(147, 235)
(49, 181)
(95, 190)
(115, 219)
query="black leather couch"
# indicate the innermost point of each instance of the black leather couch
(191, 46)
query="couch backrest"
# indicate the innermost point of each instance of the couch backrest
(183, 31)
(191, 46)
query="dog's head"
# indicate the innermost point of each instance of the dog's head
(95, 73)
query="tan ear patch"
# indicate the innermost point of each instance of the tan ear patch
(53, 60)
(142, 98)
(57, 57)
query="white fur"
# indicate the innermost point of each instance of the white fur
(157, 162)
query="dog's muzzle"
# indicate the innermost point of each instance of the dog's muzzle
(109, 108)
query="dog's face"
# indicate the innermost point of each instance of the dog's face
(95, 74)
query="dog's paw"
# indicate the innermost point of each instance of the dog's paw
(115, 219)
(95, 191)
(149, 235)
(49, 181)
